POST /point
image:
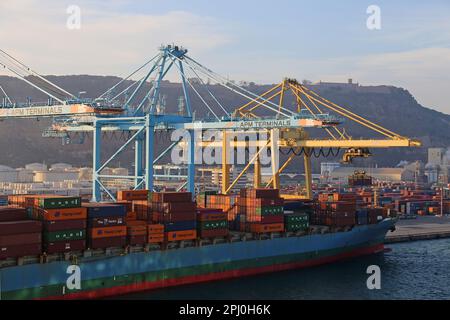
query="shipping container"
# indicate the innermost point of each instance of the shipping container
(180, 235)
(106, 222)
(108, 232)
(265, 228)
(23, 226)
(180, 225)
(155, 228)
(19, 239)
(59, 214)
(99, 210)
(60, 225)
(130, 195)
(110, 242)
(12, 213)
(20, 250)
(64, 246)
(64, 235)
(171, 197)
(213, 233)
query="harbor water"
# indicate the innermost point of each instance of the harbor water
(412, 270)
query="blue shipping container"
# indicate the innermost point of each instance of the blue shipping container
(102, 211)
(180, 225)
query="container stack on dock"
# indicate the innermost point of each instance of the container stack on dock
(106, 225)
(261, 211)
(211, 223)
(19, 236)
(177, 212)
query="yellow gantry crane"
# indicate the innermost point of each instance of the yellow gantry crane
(298, 140)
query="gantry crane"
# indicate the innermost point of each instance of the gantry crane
(299, 142)
(286, 129)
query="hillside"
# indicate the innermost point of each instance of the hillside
(394, 108)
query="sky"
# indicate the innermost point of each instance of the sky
(251, 40)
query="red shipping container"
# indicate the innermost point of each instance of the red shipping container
(19, 239)
(137, 239)
(62, 246)
(112, 242)
(174, 217)
(213, 233)
(19, 227)
(174, 207)
(266, 219)
(12, 214)
(60, 225)
(15, 251)
(171, 197)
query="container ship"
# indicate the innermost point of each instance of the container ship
(56, 247)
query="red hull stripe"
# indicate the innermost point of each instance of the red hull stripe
(143, 286)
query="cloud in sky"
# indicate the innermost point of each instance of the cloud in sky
(118, 35)
(108, 42)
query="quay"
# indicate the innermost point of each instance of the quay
(421, 228)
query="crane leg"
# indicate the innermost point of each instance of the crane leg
(308, 173)
(274, 137)
(138, 163)
(257, 173)
(191, 164)
(225, 164)
(149, 154)
(96, 192)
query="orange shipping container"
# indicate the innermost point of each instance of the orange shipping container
(62, 214)
(155, 228)
(262, 228)
(108, 232)
(132, 195)
(181, 235)
(137, 228)
(155, 238)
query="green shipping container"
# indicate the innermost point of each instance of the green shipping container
(296, 218)
(63, 202)
(294, 227)
(270, 210)
(65, 235)
(213, 225)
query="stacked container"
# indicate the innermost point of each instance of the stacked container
(335, 210)
(106, 225)
(211, 223)
(155, 233)
(176, 211)
(261, 211)
(136, 232)
(227, 203)
(295, 222)
(19, 237)
(64, 222)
